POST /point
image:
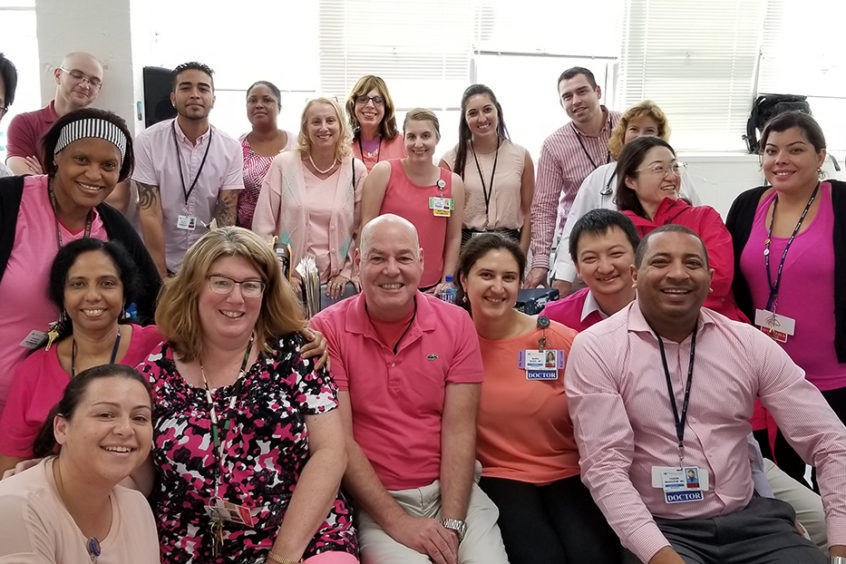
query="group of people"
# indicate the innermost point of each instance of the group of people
(176, 360)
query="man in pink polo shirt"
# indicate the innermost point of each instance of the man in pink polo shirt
(78, 82)
(409, 372)
(661, 393)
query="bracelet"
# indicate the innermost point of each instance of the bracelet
(281, 559)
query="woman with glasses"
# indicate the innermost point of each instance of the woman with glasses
(371, 112)
(260, 146)
(248, 445)
(597, 189)
(648, 181)
(311, 195)
(499, 176)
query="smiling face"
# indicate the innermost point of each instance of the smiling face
(229, 318)
(94, 294)
(650, 186)
(641, 126)
(672, 281)
(193, 95)
(790, 161)
(492, 284)
(87, 171)
(322, 126)
(604, 261)
(481, 116)
(579, 98)
(262, 106)
(74, 83)
(421, 138)
(370, 109)
(110, 432)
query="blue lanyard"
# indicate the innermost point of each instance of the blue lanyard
(679, 421)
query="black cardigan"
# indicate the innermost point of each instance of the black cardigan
(117, 228)
(739, 223)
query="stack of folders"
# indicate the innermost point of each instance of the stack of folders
(307, 269)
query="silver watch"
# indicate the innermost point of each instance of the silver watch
(460, 527)
(837, 560)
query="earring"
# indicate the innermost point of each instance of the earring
(464, 299)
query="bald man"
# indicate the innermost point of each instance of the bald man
(78, 82)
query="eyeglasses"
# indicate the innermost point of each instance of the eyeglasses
(364, 100)
(224, 285)
(661, 169)
(81, 76)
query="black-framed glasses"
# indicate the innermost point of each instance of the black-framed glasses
(77, 74)
(224, 285)
(364, 100)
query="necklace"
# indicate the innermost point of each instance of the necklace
(89, 218)
(334, 162)
(111, 360)
(92, 544)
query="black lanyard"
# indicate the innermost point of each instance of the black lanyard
(775, 287)
(89, 219)
(485, 191)
(584, 149)
(187, 193)
(111, 360)
(378, 150)
(679, 421)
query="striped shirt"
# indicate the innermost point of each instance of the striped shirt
(619, 405)
(567, 157)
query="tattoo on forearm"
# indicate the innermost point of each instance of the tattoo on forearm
(147, 195)
(224, 211)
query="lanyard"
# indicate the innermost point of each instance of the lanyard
(89, 219)
(216, 435)
(187, 193)
(378, 150)
(584, 149)
(679, 421)
(485, 191)
(771, 302)
(111, 360)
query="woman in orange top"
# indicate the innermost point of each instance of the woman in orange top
(524, 435)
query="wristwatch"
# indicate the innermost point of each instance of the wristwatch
(460, 527)
(837, 560)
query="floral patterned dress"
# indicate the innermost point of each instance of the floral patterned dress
(266, 448)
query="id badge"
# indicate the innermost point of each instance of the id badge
(187, 222)
(541, 365)
(681, 485)
(441, 206)
(34, 339)
(778, 327)
(229, 512)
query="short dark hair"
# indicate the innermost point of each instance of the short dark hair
(191, 65)
(67, 256)
(45, 442)
(631, 157)
(464, 134)
(50, 139)
(794, 118)
(476, 248)
(669, 228)
(273, 88)
(573, 72)
(599, 222)
(10, 79)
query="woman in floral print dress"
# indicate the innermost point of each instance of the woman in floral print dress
(248, 446)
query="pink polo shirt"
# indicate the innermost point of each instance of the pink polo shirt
(397, 400)
(156, 163)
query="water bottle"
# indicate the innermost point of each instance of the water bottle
(447, 291)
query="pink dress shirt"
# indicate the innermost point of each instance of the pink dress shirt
(624, 424)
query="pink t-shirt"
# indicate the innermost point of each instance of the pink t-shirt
(35, 526)
(397, 399)
(39, 384)
(408, 200)
(809, 266)
(384, 151)
(318, 201)
(24, 305)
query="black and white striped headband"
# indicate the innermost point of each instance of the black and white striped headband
(91, 127)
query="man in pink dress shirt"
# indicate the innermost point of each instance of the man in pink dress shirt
(649, 409)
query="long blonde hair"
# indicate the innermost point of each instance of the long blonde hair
(343, 147)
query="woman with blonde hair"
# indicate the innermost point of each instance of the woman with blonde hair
(430, 197)
(248, 446)
(371, 112)
(597, 189)
(310, 197)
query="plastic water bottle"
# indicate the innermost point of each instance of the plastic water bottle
(447, 291)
